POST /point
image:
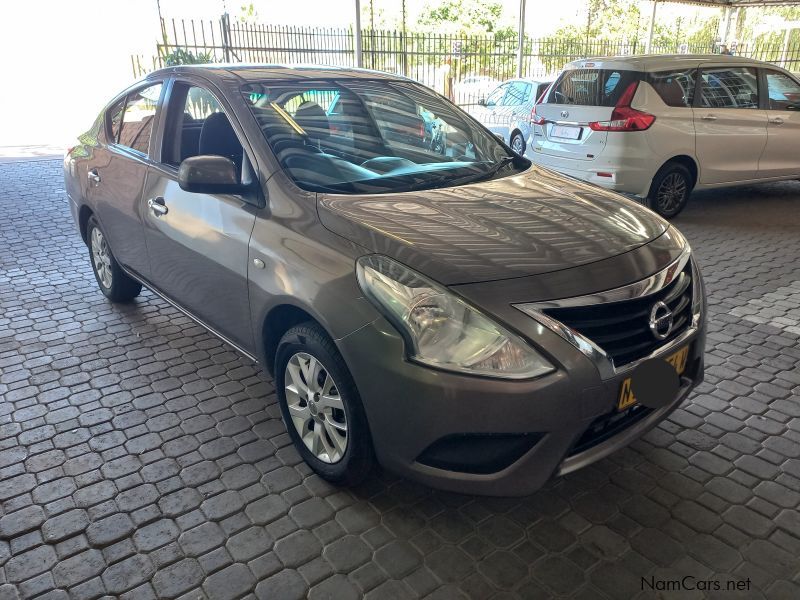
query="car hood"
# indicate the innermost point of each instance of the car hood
(530, 223)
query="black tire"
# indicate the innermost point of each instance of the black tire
(358, 458)
(520, 141)
(119, 287)
(670, 190)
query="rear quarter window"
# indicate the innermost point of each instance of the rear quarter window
(675, 88)
(591, 87)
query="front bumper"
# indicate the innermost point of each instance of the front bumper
(412, 408)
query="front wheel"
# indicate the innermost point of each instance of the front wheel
(518, 144)
(321, 406)
(670, 190)
(115, 284)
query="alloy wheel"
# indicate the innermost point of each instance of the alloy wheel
(101, 257)
(671, 192)
(518, 145)
(316, 408)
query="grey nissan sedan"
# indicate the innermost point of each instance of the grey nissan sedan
(423, 297)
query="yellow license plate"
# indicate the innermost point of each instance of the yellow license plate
(626, 396)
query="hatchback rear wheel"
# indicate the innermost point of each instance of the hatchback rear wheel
(670, 190)
(321, 406)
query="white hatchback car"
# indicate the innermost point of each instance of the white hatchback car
(659, 126)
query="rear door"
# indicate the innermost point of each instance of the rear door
(116, 174)
(730, 128)
(781, 157)
(513, 105)
(487, 114)
(578, 97)
(198, 244)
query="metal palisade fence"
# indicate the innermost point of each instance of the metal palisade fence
(464, 67)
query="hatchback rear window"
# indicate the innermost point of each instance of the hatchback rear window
(590, 87)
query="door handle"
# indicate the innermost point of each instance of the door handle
(93, 176)
(157, 206)
(776, 121)
(709, 118)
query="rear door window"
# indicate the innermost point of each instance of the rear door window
(517, 93)
(729, 87)
(496, 97)
(675, 88)
(784, 92)
(590, 87)
(137, 120)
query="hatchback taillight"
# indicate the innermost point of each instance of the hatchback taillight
(536, 119)
(623, 117)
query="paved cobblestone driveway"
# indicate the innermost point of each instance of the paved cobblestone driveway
(141, 457)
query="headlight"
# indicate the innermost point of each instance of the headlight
(441, 329)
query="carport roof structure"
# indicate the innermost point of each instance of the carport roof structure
(726, 5)
(734, 3)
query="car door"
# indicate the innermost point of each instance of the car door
(511, 106)
(198, 243)
(117, 170)
(781, 156)
(730, 128)
(487, 114)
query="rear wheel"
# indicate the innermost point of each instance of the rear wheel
(321, 406)
(518, 144)
(670, 190)
(115, 284)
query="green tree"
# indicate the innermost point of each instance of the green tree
(248, 13)
(461, 16)
(181, 56)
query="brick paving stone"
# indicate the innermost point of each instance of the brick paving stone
(231, 582)
(176, 579)
(297, 548)
(127, 573)
(25, 519)
(142, 458)
(110, 529)
(287, 584)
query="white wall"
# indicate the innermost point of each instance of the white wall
(63, 59)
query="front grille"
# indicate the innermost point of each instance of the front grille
(622, 329)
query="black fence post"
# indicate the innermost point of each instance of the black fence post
(225, 30)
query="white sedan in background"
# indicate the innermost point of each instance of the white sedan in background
(507, 111)
(473, 89)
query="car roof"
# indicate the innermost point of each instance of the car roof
(654, 62)
(260, 72)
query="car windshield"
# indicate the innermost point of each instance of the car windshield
(372, 136)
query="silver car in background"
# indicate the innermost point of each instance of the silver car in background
(506, 112)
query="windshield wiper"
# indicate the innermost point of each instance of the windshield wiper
(447, 180)
(487, 174)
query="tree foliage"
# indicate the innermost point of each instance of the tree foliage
(461, 16)
(180, 56)
(248, 13)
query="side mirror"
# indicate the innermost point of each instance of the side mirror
(210, 174)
